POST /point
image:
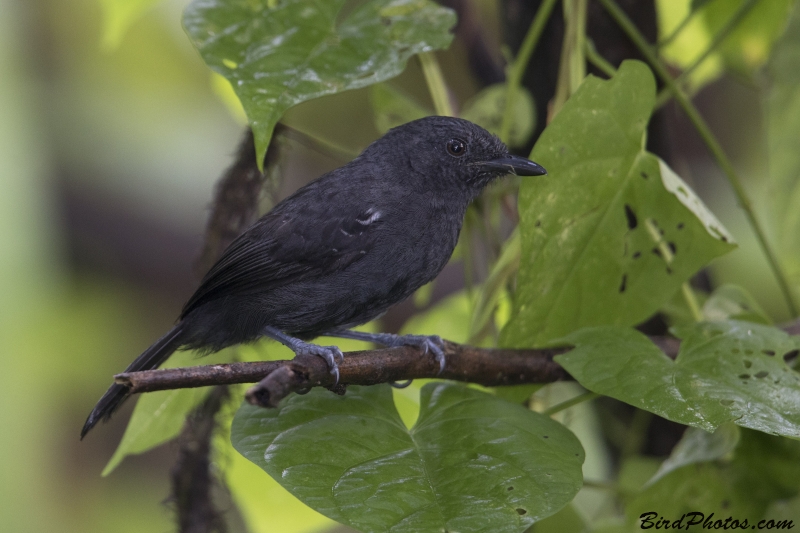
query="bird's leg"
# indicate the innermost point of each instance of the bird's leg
(426, 343)
(329, 353)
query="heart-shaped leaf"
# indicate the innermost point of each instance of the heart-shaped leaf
(277, 54)
(725, 372)
(611, 233)
(472, 462)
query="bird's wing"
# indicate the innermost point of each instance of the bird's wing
(290, 244)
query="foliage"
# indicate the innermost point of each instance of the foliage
(608, 239)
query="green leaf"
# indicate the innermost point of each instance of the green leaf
(611, 233)
(725, 372)
(704, 489)
(158, 416)
(278, 54)
(118, 16)
(471, 463)
(764, 469)
(699, 446)
(392, 108)
(783, 130)
(486, 110)
(768, 466)
(735, 303)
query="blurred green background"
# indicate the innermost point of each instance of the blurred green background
(108, 159)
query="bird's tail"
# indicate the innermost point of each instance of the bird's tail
(153, 357)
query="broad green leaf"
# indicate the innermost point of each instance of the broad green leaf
(118, 16)
(699, 446)
(278, 54)
(693, 493)
(783, 130)
(725, 372)
(735, 303)
(471, 463)
(486, 110)
(748, 46)
(768, 466)
(392, 108)
(764, 469)
(158, 416)
(265, 506)
(611, 233)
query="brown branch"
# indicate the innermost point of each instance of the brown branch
(277, 379)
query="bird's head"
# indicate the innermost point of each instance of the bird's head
(454, 154)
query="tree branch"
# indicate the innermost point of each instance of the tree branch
(277, 379)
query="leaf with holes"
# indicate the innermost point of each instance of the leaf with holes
(725, 372)
(472, 462)
(611, 233)
(277, 54)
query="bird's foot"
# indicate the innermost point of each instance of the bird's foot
(331, 354)
(427, 343)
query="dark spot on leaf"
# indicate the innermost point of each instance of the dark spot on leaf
(669, 270)
(680, 225)
(747, 364)
(791, 356)
(637, 255)
(510, 488)
(644, 175)
(744, 376)
(672, 247)
(386, 21)
(537, 223)
(762, 374)
(545, 437)
(725, 504)
(624, 282)
(521, 511)
(657, 251)
(723, 238)
(631, 216)
(726, 403)
(682, 190)
(735, 350)
(768, 352)
(748, 352)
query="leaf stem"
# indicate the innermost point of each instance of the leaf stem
(517, 69)
(436, 85)
(594, 57)
(711, 142)
(581, 398)
(691, 301)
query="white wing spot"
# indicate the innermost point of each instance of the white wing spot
(373, 216)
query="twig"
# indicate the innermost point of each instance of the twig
(277, 379)
(711, 142)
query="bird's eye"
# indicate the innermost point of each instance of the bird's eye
(456, 147)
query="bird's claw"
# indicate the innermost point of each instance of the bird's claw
(428, 344)
(329, 353)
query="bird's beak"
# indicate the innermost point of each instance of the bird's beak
(512, 164)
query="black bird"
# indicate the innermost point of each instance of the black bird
(341, 250)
